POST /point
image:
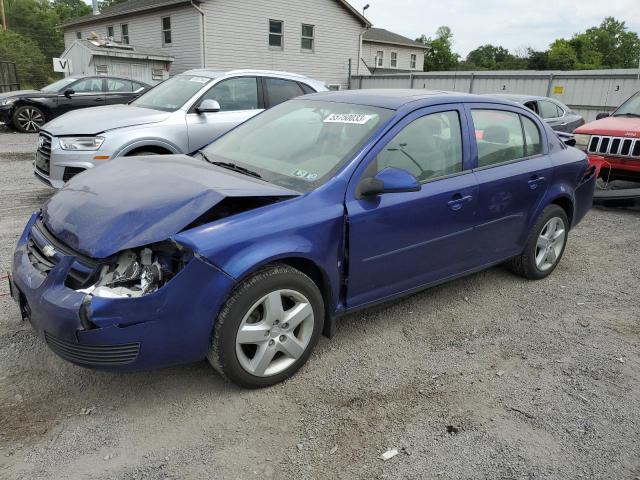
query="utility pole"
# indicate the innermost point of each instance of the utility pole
(4, 20)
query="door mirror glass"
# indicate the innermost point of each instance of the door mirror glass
(208, 106)
(68, 92)
(389, 180)
(602, 115)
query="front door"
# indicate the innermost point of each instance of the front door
(513, 173)
(87, 92)
(239, 100)
(400, 241)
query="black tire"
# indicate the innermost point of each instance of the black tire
(222, 348)
(524, 264)
(28, 119)
(141, 153)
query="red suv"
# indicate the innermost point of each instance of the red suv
(612, 142)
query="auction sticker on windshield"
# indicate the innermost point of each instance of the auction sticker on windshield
(352, 118)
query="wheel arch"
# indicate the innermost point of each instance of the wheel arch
(566, 203)
(156, 145)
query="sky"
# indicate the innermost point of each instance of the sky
(512, 24)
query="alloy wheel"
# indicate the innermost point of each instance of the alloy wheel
(550, 244)
(30, 119)
(274, 333)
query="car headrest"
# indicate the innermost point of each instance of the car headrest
(496, 134)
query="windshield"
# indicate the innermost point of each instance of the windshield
(629, 108)
(172, 94)
(58, 86)
(299, 144)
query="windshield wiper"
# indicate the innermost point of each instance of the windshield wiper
(230, 166)
(627, 115)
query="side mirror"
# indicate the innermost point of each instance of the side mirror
(389, 180)
(602, 115)
(68, 92)
(208, 106)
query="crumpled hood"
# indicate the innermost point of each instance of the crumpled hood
(134, 201)
(94, 120)
(614, 126)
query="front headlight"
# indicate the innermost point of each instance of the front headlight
(8, 101)
(81, 143)
(582, 141)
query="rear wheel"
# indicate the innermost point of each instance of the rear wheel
(267, 328)
(28, 119)
(545, 245)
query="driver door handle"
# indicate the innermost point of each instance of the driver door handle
(535, 181)
(458, 200)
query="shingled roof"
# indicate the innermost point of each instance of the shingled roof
(380, 35)
(139, 6)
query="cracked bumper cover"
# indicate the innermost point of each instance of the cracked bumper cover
(168, 327)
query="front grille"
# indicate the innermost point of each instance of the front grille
(99, 355)
(82, 271)
(615, 146)
(43, 153)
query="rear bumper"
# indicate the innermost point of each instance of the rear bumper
(170, 326)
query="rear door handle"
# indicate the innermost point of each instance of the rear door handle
(458, 200)
(99, 99)
(535, 181)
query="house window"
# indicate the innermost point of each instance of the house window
(102, 69)
(307, 37)
(276, 34)
(394, 59)
(124, 29)
(379, 58)
(166, 30)
(110, 32)
(413, 60)
(78, 35)
(157, 74)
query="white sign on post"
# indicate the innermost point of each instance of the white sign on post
(62, 65)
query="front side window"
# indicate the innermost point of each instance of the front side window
(172, 94)
(429, 147)
(276, 34)
(235, 94)
(280, 90)
(379, 58)
(110, 31)
(124, 30)
(116, 85)
(166, 30)
(548, 109)
(88, 85)
(307, 37)
(59, 86)
(413, 60)
(504, 136)
(299, 144)
(394, 59)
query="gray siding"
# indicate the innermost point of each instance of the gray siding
(238, 32)
(370, 49)
(146, 31)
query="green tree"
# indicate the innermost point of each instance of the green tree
(439, 55)
(34, 69)
(562, 56)
(37, 20)
(70, 9)
(537, 60)
(490, 57)
(109, 3)
(612, 42)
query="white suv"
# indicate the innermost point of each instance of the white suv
(180, 115)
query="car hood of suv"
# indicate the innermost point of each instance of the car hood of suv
(91, 121)
(614, 126)
(135, 201)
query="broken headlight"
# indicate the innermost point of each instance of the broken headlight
(139, 271)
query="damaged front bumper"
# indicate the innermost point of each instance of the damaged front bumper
(169, 326)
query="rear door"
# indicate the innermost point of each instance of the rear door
(513, 171)
(118, 91)
(400, 241)
(279, 90)
(239, 99)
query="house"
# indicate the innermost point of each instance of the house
(318, 38)
(387, 52)
(97, 56)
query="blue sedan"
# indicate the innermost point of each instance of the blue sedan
(246, 253)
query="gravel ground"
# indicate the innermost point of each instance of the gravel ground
(489, 376)
(15, 142)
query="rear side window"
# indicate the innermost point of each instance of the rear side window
(504, 136)
(280, 90)
(306, 88)
(429, 147)
(116, 85)
(235, 94)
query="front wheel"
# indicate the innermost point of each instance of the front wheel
(267, 328)
(28, 119)
(545, 245)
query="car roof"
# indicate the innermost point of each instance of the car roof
(394, 99)
(216, 74)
